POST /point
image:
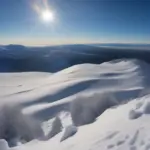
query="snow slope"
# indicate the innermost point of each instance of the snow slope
(112, 130)
(43, 96)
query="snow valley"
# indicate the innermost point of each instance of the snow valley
(85, 97)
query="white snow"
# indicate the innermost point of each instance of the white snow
(3, 145)
(56, 127)
(69, 131)
(134, 114)
(84, 109)
(113, 96)
(14, 126)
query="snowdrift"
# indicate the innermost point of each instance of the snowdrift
(17, 128)
(69, 131)
(109, 103)
(3, 145)
(86, 109)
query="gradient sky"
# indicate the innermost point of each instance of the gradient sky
(76, 21)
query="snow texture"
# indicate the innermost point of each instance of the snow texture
(85, 109)
(3, 145)
(56, 127)
(109, 103)
(15, 127)
(69, 131)
(134, 114)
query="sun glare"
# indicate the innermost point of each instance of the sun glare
(47, 16)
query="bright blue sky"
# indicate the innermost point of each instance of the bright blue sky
(76, 21)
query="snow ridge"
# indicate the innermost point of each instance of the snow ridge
(109, 103)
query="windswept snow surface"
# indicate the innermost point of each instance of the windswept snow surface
(122, 125)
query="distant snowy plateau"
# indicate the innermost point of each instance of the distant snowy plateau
(74, 98)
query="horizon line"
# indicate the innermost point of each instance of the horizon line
(48, 45)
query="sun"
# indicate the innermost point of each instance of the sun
(47, 16)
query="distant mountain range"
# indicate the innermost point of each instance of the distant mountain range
(18, 58)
